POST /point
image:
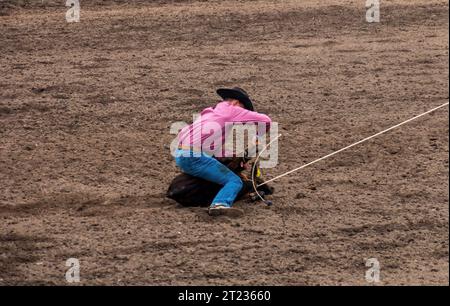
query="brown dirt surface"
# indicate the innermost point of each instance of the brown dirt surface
(85, 114)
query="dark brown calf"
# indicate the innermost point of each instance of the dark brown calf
(193, 191)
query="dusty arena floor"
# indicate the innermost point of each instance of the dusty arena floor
(85, 116)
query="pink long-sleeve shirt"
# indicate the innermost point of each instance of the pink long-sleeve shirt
(209, 130)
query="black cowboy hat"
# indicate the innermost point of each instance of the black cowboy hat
(238, 94)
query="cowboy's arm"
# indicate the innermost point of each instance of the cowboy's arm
(246, 116)
(263, 121)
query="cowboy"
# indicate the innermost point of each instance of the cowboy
(194, 157)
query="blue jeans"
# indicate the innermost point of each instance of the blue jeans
(210, 169)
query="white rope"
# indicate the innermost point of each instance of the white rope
(255, 164)
(352, 145)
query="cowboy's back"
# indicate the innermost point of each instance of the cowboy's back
(214, 123)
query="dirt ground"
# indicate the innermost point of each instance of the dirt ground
(85, 116)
